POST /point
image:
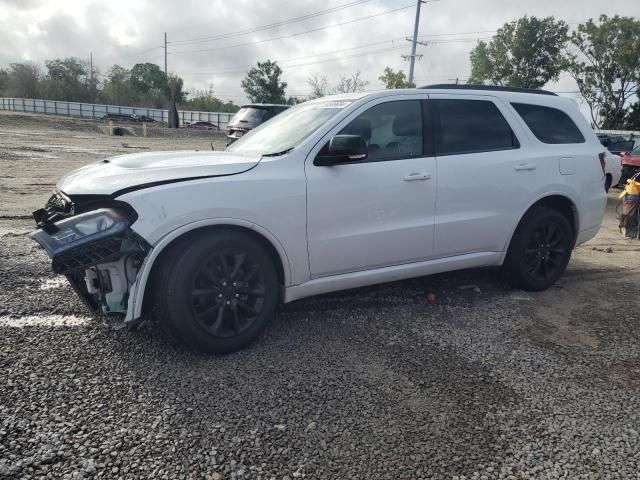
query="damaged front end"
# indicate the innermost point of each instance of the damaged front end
(91, 242)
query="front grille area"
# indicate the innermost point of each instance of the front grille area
(104, 251)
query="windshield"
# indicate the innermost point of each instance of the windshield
(636, 151)
(286, 130)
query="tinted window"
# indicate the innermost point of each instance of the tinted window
(549, 125)
(467, 126)
(391, 130)
(249, 115)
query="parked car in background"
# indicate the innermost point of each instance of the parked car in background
(616, 144)
(335, 193)
(128, 117)
(612, 170)
(249, 117)
(202, 125)
(121, 117)
(630, 164)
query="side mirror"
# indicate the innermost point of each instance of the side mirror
(343, 149)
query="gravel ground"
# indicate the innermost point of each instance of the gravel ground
(378, 383)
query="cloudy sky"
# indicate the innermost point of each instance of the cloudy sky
(214, 42)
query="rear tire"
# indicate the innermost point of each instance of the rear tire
(218, 292)
(540, 249)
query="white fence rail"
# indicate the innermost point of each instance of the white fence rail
(93, 110)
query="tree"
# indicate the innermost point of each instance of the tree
(175, 86)
(319, 86)
(117, 88)
(294, 100)
(350, 84)
(206, 101)
(606, 67)
(4, 79)
(633, 117)
(393, 79)
(263, 85)
(524, 53)
(70, 79)
(23, 80)
(146, 77)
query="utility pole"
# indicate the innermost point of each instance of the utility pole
(412, 60)
(165, 53)
(91, 67)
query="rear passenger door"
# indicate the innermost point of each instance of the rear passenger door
(482, 175)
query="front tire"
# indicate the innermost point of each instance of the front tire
(218, 292)
(540, 249)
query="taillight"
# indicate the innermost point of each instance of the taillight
(602, 156)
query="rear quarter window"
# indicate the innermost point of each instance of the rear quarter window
(549, 125)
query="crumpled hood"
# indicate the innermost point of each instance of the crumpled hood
(115, 174)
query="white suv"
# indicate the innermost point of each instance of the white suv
(335, 193)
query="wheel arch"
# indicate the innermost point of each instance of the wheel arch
(556, 201)
(139, 298)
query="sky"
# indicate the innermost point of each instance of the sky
(214, 42)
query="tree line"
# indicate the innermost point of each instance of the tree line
(73, 80)
(602, 56)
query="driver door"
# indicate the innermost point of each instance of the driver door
(379, 211)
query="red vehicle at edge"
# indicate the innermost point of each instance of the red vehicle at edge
(630, 164)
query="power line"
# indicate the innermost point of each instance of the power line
(326, 60)
(455, 33)
(140, 52)
(269, 26)
(294, 34)
(284, 60)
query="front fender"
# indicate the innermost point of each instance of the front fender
(137, 291)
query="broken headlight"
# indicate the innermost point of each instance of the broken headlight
(82, 229)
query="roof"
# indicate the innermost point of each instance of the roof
(493, 88)
(264, 105)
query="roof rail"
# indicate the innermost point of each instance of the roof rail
(455, 86)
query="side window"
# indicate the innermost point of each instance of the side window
(392, 130)
(549, 125)
(469, 126)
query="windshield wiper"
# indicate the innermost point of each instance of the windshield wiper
(277, 154)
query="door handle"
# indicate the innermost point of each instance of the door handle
(525, 166)
(417, 176)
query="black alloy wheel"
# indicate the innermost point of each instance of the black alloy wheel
(228, 293)
(546, 252)
(540, 249)
(217, 291)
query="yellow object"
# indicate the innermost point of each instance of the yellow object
(111, 128)
(144, 130)
(632, 188)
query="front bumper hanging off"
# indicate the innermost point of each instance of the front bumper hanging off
(93, 245)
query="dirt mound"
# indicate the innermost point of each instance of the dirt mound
(20, 120)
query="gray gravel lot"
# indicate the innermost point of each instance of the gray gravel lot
(377, 383)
